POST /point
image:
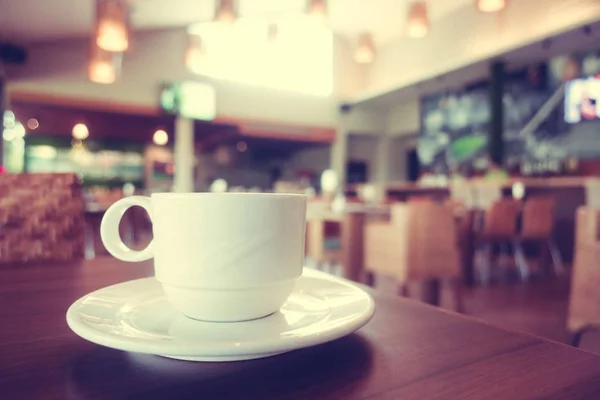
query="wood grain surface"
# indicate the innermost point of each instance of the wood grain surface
(408, 351)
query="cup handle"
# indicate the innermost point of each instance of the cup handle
(109, 229)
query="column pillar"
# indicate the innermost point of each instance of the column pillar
(3, 101)
(495, 139)
(382, 166)
(184, 155)
(339, 155)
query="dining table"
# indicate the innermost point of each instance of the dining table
(352, 221)
(409, 350)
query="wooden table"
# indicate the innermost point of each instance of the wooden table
(408, 351)
(352, 239)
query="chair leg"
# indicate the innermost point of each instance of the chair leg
(486, 271)
(456, 288)
(556, 257)
(575, 337)
(369, 278)
(430, 292)
(403, 290)
(544, 256)
(520, 260)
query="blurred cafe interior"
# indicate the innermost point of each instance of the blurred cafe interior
(450, 150)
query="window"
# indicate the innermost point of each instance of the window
(299, 58)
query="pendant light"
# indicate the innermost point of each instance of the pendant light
(490, 6)
(194, 54)
(225, 11)
(317, 9)
(112, 25)
(417, 21)
(103, 66)
(365, 49)
(272, 33)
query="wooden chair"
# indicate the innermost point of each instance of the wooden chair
(41, 218)
(464, 218)
(500, 229)
(322, 247)
(538, 227)
(584, 302)
(485, 194)
(344, 249)
(463, 193)
(419, 243)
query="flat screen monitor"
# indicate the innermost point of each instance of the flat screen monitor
(194, 100)
(582, 99)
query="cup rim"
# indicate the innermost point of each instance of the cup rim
(228, 194)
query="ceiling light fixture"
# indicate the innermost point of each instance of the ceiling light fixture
(272, 33)
(365, 49)
(225, 11)
(112, 25)
(317, 9)
(103, 66)
(490, 6)
(417, 21)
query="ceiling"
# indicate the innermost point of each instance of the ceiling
(28, 21)
(570, 42)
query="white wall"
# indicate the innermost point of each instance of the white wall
(468, 36)
(363, 120)
(59, 68)
(404, 118)
(317, 159)
(397, 166)
(364, 148)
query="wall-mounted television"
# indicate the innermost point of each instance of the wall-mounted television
(582, 99)
(194, 100)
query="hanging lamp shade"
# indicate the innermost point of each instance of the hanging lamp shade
(417, 21)
(317, 9)
(490, 6)
(112, 25)
(225, 11)
(272, 33)
(104, 66)
(194, 54)
(365, 49)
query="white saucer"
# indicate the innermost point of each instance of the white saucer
(136, 316)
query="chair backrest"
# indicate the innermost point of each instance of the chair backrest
(485, 194)
(319, 227)
(41, 218)
(538, 217)
(501, 219)
(584, 302)
(592, 192)
(464, 193)
(432, 242)
(419, 242)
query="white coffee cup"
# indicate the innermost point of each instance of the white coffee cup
(219, 256)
